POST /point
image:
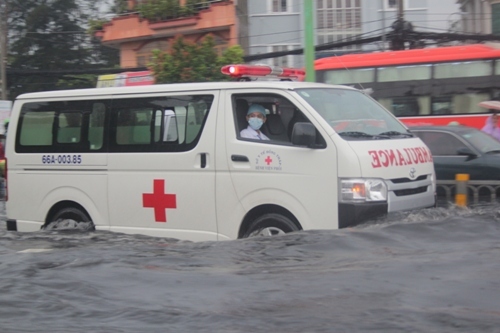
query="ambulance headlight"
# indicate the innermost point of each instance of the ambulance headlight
(363, 190)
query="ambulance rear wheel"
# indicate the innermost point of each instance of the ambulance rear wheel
(270, 225)
(70, 217)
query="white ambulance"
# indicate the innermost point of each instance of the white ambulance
(170, 161)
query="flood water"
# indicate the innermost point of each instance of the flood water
(437, 270)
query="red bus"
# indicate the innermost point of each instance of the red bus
(431, 86)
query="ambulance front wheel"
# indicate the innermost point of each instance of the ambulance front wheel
(270, 225)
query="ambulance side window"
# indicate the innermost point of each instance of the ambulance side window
(167, 119)
(69, 127)
(163, 123)
(96, 126)
(281, 116)
(36, 129)
(58, 127)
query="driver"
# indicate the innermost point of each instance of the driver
(256, 117)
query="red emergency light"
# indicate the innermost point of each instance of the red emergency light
(241, 71)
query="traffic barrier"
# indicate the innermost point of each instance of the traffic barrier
(461, 189)
(476, 190)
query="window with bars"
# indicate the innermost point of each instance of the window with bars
(280, 61)
(279, 6)
(338, 20)
(145, 54)
(495, 18)
(407, 4)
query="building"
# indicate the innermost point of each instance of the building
(137, 37)
(278, 25)
(264, 26)
(480, 16)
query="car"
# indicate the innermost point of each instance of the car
(461, 149)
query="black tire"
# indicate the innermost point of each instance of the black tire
(270, 225)
(70, 213)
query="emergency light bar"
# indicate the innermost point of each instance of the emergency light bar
(241, 71)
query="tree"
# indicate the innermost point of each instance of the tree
(119, 6)
(191, 62)
(52, 35)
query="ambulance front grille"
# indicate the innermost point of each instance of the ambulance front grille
(408, 194)
(408, 180)
(410, 191)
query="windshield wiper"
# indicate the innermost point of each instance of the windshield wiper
(355, 134)
(396, 133)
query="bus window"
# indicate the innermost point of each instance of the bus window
(462, 69)
(404, 73)
(346, 76)
(469, 103)
(442, 105)
(405, 106)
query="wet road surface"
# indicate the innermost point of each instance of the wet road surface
(437, 270)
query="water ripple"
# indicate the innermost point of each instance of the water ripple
(435, 270)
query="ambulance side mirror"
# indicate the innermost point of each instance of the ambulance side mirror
(304, 134)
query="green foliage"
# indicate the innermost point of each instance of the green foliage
(95, 25)
(191, 62)
(119, 7)
(232, 55)
(162, 10)
(77, 81)
(197, 5)
(51, 36)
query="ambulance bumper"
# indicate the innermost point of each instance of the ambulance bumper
(351, 214)
(11, 225)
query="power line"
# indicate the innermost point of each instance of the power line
(28, 72)
(355, 40)
(410, 36)
(321, 47)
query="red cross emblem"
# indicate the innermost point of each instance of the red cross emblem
(159, 200)
(268, 160)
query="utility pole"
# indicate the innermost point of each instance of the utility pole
(402, 31)
(3, 48)
(309, 50)
(383, 24)
(401, 10)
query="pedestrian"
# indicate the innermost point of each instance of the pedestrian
(491, 126)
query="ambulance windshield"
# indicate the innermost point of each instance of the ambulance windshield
(353, 114)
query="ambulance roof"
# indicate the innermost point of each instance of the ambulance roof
(177, 87)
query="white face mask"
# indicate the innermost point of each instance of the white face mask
(255, 123)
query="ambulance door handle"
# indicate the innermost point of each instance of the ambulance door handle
(239, 158)
(203, 159)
